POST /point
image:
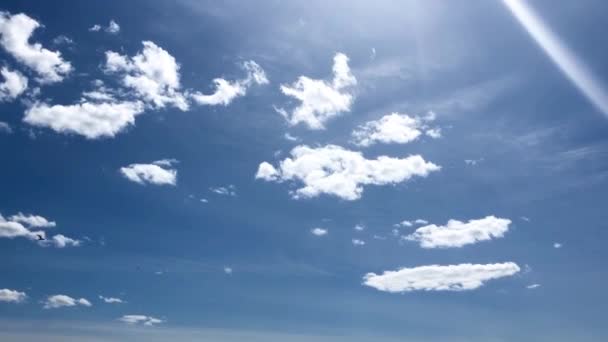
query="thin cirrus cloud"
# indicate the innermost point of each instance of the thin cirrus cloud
(460, 277)
(12, 296)
(336, 171)
(111, 300)
(320, 100)
(457, 233)
(140, 319)
(226, 91)
(160, 172)
(15, 34)
(13, 84)
(60, 300)
(394, 128)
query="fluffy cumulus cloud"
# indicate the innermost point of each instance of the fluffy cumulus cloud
(90, 119)
(33, 220)
(12, 296)
(111, 300)
(321, 100)
(15, 34)
(457, 233)
(460, 277)
(318, 231)
(226, 91)
(160, 172)
(21, 225)
(12, 84)
(394, 128)
(340, 172)
(58, 301)
(112, 28)
(153, 74)
(140, 319)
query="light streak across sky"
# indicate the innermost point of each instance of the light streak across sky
(559, 53)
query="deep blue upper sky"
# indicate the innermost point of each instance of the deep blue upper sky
(536, 148)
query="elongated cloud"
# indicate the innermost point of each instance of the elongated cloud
(457, 233)
(15, 33)
(321, 100)
(12, 296)
(460, 277)
(60, 300)
(394, 128)
(565, 60)
(159, 172)
(140, 319)
(340, 172)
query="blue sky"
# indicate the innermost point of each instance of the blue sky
(178, 161)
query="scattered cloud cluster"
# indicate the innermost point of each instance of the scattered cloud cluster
(140, 319)
(394, 128)
(58, 301)
(112, 28)
(160, 172)
(229, 190)
(321, 100)
(15, 34)
(358, 242)
(340, 172)
(439, 277)
(22, 225)
(457, 233)
(12, 296)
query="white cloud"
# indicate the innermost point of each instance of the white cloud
(457, 233)
(89, 119)
(12, 229)
(5, 128)
(228, 270)
(340, 172)
(158, 173)
(439, 277)
(61, 241)
(58, 301)
(321, 100)
(394, 128)
(421, 221)
(113, 27)
(140, 319)
(357, 242)
(227, 91)
(533, 286)
(404, 223)
(33, 220)
(13, 85)
(152, 73)
(557, 245)
(111, 300)
(359, 227)
(229, 190)
(15, 33)
(62, 40)
(473, 162)
(290, 137)
(12, 296)
(527, 219)
(204, 200)
(318, 231)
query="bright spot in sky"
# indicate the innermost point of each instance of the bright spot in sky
(568, 63)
